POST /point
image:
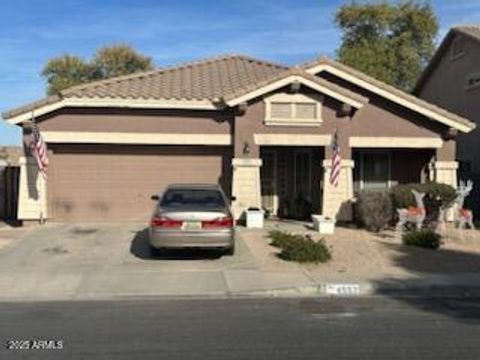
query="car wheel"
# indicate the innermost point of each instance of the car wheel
(230, 251)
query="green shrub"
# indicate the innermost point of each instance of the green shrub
(403, 198)
(423, 238)
(374, 209)
(300, 248)
(280, 239)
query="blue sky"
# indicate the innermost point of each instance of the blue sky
(287, 31)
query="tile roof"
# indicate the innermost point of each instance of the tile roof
(298, 72)
(208, 79)
(391, 89)
(472, 31)
(215, 79)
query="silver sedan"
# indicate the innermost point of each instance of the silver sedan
(192, 216)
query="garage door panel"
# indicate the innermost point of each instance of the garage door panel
(89, 186)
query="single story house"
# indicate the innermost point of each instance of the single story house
(261, 130)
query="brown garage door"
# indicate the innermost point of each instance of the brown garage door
(111, 183)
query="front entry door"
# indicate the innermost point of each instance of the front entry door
(268, 181)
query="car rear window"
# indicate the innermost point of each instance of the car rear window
(192, 198)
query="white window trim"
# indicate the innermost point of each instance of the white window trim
(293, 99)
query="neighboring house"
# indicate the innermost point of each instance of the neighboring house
(261, 130)
(452, 80)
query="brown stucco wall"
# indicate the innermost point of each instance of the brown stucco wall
(137, 120)
(377, 118)
(252, 122)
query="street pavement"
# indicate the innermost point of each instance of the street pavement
(303, 328)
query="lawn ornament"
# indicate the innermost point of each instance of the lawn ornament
(463, 216)
(412, 214)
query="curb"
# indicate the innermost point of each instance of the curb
(323, 290)
(352, 290)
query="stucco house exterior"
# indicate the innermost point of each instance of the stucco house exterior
(452, 81)
(261, 130)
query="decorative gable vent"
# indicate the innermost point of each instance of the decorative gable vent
(293, 109)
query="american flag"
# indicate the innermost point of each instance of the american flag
(336, 160)
(39, 150)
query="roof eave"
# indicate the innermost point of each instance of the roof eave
(114, 103)
(433, 62)
(324, 65)
(357, 101)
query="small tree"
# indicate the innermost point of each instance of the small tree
(68, 70)
(65, 71)
(390, 41)
(118, 60)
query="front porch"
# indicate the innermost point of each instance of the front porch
(294, 180)
(291, 180)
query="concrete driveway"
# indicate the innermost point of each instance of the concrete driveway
(58, 261)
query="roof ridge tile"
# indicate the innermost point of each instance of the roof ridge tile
(176, 67)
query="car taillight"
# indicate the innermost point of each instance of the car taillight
(224, 222)
(165, 222)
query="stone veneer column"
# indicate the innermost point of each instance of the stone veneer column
(32, 192)
(246, 185)
(337, 200)
(446, 173)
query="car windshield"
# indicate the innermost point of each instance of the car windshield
(192, 198)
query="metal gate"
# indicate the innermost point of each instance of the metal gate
(9, 177)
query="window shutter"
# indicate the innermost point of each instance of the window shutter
(281, 110)
(306, 111)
